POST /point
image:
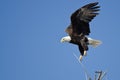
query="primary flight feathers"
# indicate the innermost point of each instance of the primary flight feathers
(80, 19)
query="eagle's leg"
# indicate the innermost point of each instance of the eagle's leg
(80, 58)
(85, 53)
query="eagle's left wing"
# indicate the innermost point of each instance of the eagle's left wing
(80, 18)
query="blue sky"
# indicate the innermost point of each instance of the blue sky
(30, 33)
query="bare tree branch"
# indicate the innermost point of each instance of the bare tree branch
(98, 74)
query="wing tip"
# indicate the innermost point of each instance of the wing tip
(91, 5)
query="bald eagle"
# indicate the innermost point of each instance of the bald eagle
(79, 29)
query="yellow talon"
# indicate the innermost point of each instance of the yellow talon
(80, 58)
(85, 53)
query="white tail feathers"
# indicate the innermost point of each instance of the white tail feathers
(94, 42)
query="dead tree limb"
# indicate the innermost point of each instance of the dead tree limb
(100, 75)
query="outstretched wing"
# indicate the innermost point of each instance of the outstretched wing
(80, 18)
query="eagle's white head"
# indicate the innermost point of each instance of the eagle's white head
(66, 39)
